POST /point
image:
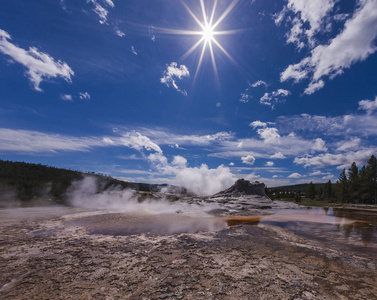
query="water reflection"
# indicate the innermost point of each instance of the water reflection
(354, 229)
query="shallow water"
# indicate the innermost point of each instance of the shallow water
(348, 229)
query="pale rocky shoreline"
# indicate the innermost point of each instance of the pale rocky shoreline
(44, 258)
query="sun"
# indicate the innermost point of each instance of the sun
(206, 33)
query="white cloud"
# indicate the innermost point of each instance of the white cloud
(231, 164)
(258, 83)
(172, 73)
(274, 97)
(256, 124)
(368, 105)
(245, 98)
(314, 14)
(328, 177)
(269, 164)
(314, 86)
(269, 135)
(100, 10)
(110, 3)
(358, 37)
(249, 160)
(353, 124)
(343, 160)
(119, 32)
(352, 144)
(295, 175)
(84, 96)
(278, 155)
(29, 141)
(39, 65)
(66, 97)
(317, 173)
(275, 176)
(319, 145)
(133, 50)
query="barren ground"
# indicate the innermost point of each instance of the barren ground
(50, 257)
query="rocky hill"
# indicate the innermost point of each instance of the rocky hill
(243, 187)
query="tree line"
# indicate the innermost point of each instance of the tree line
(358, 185)
(354, 185)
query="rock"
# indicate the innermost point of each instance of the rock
(243, 187)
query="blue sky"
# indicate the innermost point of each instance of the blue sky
(281, 92)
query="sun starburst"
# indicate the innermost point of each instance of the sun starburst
(207, 33)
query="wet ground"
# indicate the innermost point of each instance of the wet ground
(291, 254)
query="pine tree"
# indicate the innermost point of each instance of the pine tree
(328, 190)
(342, 187)
(353, 183)
(364, 184)
(372, 177)
(310, 192)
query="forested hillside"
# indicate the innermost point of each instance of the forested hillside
(27, 181)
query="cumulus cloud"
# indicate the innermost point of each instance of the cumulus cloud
(278, 155)
(39, 66)
(358, 37)
(328, 177)
(269, 135)
(274, 97)
(295, 175)
(231, 164)
(368, 105)
(269, 164)
(249, 160)
(319, 145)
(172, 73)
(310, 17)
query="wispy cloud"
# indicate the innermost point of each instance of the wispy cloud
(133, 50)
(100, 10)
(274, 97)
(39, 65)
(66, 97)
(84, 96)
(172, 73)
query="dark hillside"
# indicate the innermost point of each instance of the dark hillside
(35, 181)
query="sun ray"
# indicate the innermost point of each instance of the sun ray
(225, 52)
(226, 12)
(200, 60)
(213, 12)
(214, 65)
(204, 13)
(192, 49)
(192, 14)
